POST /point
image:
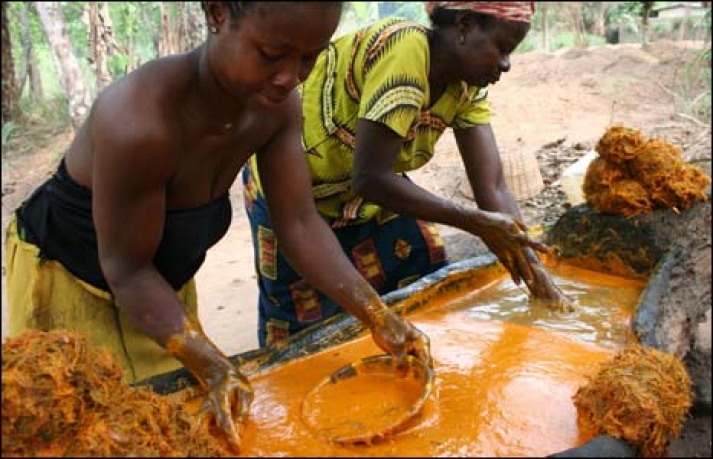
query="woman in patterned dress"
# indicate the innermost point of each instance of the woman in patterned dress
(374, 107)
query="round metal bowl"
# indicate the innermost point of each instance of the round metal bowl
(367, 400)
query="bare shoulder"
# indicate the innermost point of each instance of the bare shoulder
(137, 114)
(146, 98)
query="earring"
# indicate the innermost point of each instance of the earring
(213, 29)
(462, 39)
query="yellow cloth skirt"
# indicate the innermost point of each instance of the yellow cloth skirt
(43, 295)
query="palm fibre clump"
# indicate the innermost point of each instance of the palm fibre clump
(633, 175)
(609, 188)
(619, 144)
(641, 396)
(61, 398)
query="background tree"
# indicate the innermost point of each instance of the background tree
(191, 31)
(75, 86)
(543, 10)
(101, 42)
(646, 8)
(167, 36)
(573, 11)
(29, 68)
(10, 95)
(98, 42)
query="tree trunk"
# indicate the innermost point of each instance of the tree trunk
(645, 12)
(101, 42)
(574, 14)
(10, 95)
(180, 25)
(544, 8)
(684, 24)
(599, 26)
(194, 29)
(149, 23)
(32, 67)
(166, 36)
(130, 65)
(22, 70)
(70, 74)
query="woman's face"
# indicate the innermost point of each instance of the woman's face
(485, 55)
(272, 48)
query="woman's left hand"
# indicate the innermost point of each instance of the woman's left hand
(507, 238)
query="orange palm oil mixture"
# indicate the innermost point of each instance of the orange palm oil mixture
(367, 414)
(506, 372)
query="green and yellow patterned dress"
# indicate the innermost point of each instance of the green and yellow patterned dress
(379, 73)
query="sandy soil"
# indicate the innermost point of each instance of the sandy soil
(554, 106)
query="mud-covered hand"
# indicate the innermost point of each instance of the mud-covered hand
(507, 238)
(228, 394)
(400, 338)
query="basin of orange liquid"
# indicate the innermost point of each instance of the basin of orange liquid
(505, 370)
(402, 393)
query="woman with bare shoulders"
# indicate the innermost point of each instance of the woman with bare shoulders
(109, 245)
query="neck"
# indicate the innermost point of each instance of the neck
(222, 106)
(436, 73)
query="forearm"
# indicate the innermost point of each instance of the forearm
(501, 200)
(155, 308)
(483, 167)
(151, 303)
(324, 265)
(404, 197)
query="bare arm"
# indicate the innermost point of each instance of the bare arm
(131, 168)
(314, 251)
(134, 160)
(374, 179)
(377, 147)
(484, 169)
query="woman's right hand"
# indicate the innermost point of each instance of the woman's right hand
(507, 237)
(545, 292)
(228, 401)
(227, 393)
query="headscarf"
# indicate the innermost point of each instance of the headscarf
(513, 11)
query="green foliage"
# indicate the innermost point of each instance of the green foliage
(52, 111)
(413, 11)
(359, 9)
(76, 22)
(7, 130)
(530, 43)
(624, 11)
(693, 87)
(569, 40)
(135, 27)
(117, 64)
(360, 14)
(37, 34)
(43, 122)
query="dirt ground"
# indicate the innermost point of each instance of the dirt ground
(554, 106)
